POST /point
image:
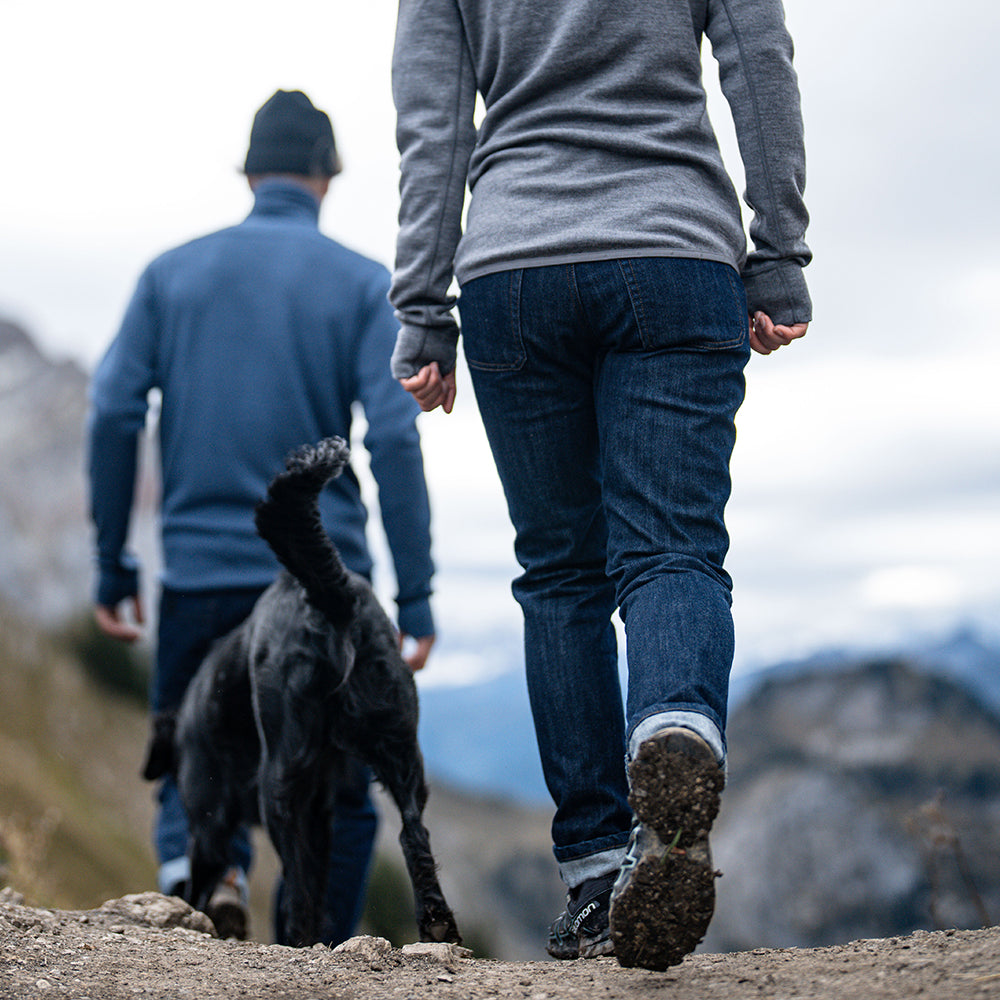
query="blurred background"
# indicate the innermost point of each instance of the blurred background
(865, 515)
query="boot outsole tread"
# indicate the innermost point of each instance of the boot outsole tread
(661, 913)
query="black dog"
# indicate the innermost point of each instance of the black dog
(312, 676)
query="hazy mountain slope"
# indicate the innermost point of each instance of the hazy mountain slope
(45, 560)
(42, 507)
(481, 737)
(856, 800)
(74, 815)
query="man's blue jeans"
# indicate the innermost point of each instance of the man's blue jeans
(608, 391)
(189, 624)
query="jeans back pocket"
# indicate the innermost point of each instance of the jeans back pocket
(684, 303)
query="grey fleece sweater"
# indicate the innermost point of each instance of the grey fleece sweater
(595, 144)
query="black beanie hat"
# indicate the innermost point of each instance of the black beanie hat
(291, 136)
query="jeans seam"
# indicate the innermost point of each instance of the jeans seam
(739, 299)
(744, 333)
(514, 291)
(635, 298)
(574, 289)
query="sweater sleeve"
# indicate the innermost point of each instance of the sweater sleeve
(754, 52)
(117, 416)
(393, 442)
(434, 89)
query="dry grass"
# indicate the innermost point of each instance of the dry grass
(74, 814)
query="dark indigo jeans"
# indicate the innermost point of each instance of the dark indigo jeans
(189, 624)
(608, 391)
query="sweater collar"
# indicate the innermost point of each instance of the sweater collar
(277, 197)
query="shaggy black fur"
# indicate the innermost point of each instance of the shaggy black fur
(313, 675)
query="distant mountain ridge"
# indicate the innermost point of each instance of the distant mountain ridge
(966, 656)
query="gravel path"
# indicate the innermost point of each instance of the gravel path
(150, 946)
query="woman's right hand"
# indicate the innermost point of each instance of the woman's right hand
(431, 389)
(765, 337)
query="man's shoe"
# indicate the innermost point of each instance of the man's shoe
(664, 897)
(581, 930)
(227, 907)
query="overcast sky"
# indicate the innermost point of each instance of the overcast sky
(866, 506)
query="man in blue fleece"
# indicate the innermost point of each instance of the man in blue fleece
(608, 306)
(259, 338)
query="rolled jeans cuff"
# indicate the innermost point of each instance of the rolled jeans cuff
(695, 721)
(577, 871)
(173, 873)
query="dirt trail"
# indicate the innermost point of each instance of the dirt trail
(151, 946)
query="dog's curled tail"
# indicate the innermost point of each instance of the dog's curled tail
(288, 520)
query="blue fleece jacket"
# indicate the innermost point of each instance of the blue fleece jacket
(260, 338)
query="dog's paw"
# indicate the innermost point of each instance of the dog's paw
(440, 930)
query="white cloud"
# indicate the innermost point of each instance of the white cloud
(912, 587)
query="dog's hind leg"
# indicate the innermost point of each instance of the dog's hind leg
(299, 823)
(435, 921)
(206, 872)
(213, 824)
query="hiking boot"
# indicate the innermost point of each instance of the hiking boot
(228, 908)
(664, 897)
(581, 930)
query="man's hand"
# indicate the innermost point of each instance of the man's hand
(415, 651)
(111, 622)
(765, 337)
(431, 389)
